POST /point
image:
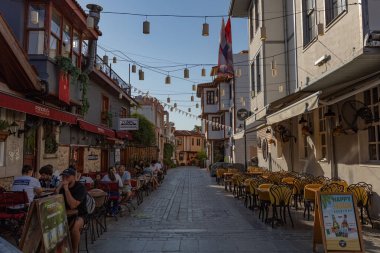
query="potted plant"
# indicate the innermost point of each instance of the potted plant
(3, 130)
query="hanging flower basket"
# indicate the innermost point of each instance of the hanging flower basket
(3, 135)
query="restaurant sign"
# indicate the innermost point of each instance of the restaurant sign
(129, 124)
(339, 223)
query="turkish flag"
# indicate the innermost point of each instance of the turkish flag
(64, 87)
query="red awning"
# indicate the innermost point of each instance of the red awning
(22, 105)
(124, 135)
(96, 129)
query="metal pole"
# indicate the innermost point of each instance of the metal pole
(245, 145)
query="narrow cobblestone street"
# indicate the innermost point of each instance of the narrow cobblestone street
(190, 213)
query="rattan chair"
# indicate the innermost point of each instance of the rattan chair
(363, 195)
(280, 197)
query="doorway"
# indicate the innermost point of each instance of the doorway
(104, 161)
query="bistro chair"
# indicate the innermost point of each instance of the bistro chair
(112, 189)
(98, 217)
(13, 211)
(219, 174)
(332, 188)
(280, 196)
(137, 191)
(321, 180)
(309, 198)
(264, 200)
(363, 195)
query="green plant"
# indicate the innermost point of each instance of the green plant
(3, 125)
(146, 135)
(83, 79)
(51, 145)
(109, 119)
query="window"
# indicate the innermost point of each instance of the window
(123, 112)
(105, 109)
(179, 142)
(66, 40)
(258, 74)
(55, 37)
(257, 15)
(181, 156)
(76, 49)
(2, 153)
(305, 149)
(198, 142)
(334, 8)
(322, 134)
(253, 87)
(371, 99)
(251, 26)
(215, 123)
(309, 15)
(35, 30)
(210, 97)
(192, 141)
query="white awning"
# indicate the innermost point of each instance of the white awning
(305, 105)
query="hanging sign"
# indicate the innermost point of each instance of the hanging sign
(336, 223)
(129, 124)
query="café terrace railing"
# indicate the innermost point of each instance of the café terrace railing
(108, 71)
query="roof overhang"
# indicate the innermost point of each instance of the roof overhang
(239, 8)
(18, 74)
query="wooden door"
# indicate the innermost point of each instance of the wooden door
(104, 160)
(30, 148)
(80, 160)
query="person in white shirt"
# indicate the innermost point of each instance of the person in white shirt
(126, 179)
(112, 176)
(27, 183)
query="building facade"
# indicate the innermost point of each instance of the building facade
(326, 122)
(188, 144)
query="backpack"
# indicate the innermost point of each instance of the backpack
(90, 204)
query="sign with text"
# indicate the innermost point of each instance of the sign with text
(338, 219)
(129, 124)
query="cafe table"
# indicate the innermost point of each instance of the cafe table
(264, 198)
(310, 193)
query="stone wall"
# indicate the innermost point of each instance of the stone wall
(91, 165)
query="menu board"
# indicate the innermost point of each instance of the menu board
(46, 228)
(54, 225)
(337, 219)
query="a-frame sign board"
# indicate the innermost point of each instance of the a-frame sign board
(46, 229)
(336, 223)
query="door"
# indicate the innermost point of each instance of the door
(104, 160)
(80, 159)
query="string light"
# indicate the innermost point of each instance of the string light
(203, 71)
(194, 88)
(114, 60)
(141, 75)
(167, 79)
(192, 98)
(168, 100)
(205, 28)
(133, 68)
(146, 26)
(34, 17)
(105, 59)
(186, 73)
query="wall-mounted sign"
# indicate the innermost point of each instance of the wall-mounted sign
(242, 114)
(93, 157)
(129, 124)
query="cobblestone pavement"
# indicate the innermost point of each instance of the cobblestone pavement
(190, 213)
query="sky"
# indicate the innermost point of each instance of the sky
(172, 42)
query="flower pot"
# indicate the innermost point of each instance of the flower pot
(3, 135)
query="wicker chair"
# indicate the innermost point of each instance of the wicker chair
(332, 187)
(363, 194)
(280, 196)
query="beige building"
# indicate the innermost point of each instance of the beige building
(327, 121)
(188, 144)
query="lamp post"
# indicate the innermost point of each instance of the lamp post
(242, 115)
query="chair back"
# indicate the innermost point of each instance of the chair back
(280, 195)
(321, 180)
(332, 188)
(220, 172)
(99, 196)
(362, 193)
(135, 183)
(13, 199)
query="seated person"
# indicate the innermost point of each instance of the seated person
(75, 195)
(27, 183)
(86, 180)
(126, 179)
(47, 179)
(112, 176)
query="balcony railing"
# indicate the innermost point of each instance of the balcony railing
(107, 70)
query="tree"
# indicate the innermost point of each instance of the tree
(201, 156)
(197, 128)
(146, 135)
(168, 153)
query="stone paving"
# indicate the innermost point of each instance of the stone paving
(190, 213)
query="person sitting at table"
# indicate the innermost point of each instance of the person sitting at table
(75, 195)
(27, 183)
(112, 176)
(126, 179)
(47, 179)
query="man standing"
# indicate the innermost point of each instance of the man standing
(27, 183)
(74, 194)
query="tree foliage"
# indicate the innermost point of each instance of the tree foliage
(146, 135)
(197, 128)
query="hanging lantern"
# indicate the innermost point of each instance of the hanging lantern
(189, 109)
(34, 18)
(194, 87)
(133, 68)
(105, 59)
(141, 75)
(203, 72)
(192, 98)
(168, 100)
(205, 29)
(186, 73)
(90, 22)
(196, 105)
(114, 59)
(146, 26)
(175, 105)
(167, 79)
(171, 109)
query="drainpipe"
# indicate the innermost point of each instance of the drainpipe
(94, 12)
